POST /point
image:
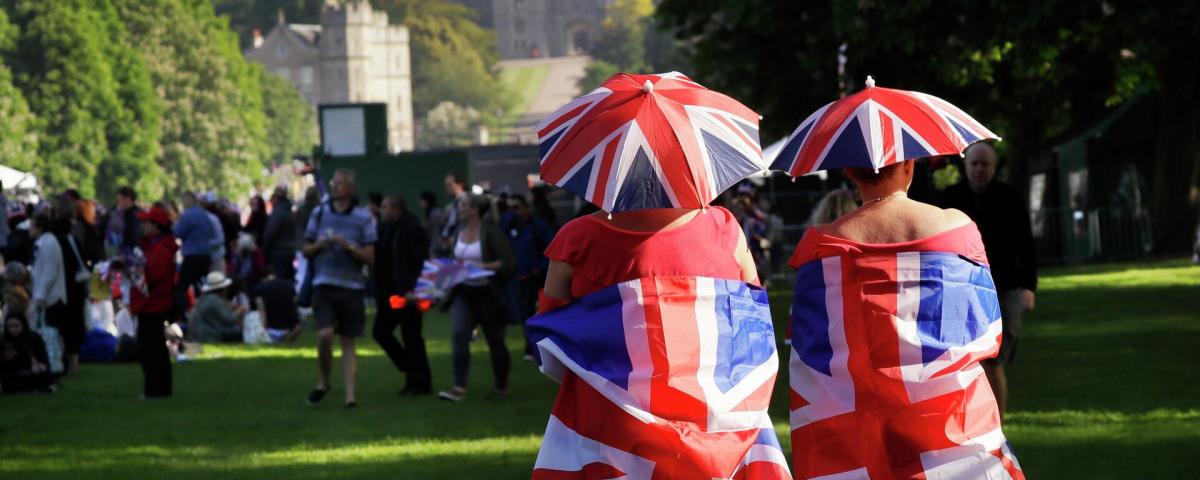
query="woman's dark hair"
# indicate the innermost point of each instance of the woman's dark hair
(430, 201)
(870, 176)
(20, 318)
(127, 192)
(42, 222)
(396, 200)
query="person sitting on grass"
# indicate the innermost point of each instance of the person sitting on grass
(276, 300)
(24, 364)
(215, 319)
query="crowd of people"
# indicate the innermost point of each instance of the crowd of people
(155, 281)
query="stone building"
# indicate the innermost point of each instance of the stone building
(541, 28)
(353, 56)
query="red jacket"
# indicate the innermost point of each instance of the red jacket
(160, 276)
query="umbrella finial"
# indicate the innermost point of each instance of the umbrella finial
(870, 81)
(647, 87)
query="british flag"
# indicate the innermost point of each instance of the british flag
(877, 127)
(885, 375)
(439, 275)
(662, 378)
(649, 141)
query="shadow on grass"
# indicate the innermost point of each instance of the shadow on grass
(501, 457)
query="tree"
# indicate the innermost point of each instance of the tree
(1029, 69)
(96, 115)
(291, 127)
(623, 35)
(453, 58)
(596, 73)
(213, 129)
(18, 142)
(449, 125)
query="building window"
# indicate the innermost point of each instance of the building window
(280, 49)
(284, 72)
(519, 25)
(306, 75)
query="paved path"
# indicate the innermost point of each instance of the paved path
(559, 88)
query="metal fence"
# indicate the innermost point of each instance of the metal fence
(1075, 235)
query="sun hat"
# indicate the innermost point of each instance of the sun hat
(215, 281)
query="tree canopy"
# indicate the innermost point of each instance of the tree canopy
(1030, 70)
(96, 94)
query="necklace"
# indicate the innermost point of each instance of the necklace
(885, 197)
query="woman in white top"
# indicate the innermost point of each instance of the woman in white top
(479, 301)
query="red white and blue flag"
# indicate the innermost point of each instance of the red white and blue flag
(877, 127)
(650, 141)
(439, 275)
(885, 375)
(662, 378)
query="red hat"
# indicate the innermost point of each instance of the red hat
(157, 215)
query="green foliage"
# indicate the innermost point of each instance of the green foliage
(449, 125)
(89, 92)
(149, 93)
(596, 73)
(18, 142)
(213, 129)
(291, 127)
(1031, 70)
(623, 37)
(453, 58)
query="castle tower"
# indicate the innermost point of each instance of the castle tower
(357, 56)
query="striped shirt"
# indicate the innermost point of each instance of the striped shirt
(335, 265)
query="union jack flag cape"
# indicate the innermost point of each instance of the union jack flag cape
(662, 378)
(885, 376)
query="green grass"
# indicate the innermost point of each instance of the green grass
(525, 83)
(1105, 386)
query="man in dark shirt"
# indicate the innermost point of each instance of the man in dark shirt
(529, 237)
(1003, 220)
(279, 239)
(276, 299)
(132, 231)
(400, 254)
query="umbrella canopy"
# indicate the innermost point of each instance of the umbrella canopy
(649, 141)
(877, 127)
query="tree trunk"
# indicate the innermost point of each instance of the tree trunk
(1174, 189)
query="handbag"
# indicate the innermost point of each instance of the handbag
(304, 297)
(53, 341)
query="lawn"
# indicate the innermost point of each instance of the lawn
(524, 82)
(1105, 386)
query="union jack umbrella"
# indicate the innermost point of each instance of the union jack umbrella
(649, 141)
(877, 127)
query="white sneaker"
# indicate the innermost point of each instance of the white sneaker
(453, 395)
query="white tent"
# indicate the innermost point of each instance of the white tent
(17, 180)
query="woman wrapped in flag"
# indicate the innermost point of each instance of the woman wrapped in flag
(894, 305)
(651, 315)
